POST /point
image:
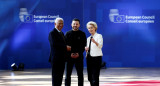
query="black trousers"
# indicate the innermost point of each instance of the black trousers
(93, 69)
(57, 72)
(79, 68)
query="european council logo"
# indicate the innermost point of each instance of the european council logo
(115, 17)
(28, 18)
(24, 16)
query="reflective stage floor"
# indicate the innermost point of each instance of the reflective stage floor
(108, 77)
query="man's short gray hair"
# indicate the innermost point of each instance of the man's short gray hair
(57, 19)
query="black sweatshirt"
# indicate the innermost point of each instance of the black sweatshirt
(77, 41)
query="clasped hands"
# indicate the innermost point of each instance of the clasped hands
(73, 55)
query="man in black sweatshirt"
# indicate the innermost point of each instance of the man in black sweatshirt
(76, 39)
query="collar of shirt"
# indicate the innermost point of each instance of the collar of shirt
(58, 30)
(74, 30)
(94, 35)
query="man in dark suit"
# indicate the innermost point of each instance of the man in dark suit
(58, 49)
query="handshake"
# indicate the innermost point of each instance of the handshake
(68, 48)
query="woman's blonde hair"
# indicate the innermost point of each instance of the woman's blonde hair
(92, 23)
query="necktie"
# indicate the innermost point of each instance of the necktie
(90, 45)
(61, 33)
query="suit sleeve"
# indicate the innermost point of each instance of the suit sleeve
(67, 39)
(55, 44)
(100, 41)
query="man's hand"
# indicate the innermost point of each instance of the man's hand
(68, 48)
(74, 55)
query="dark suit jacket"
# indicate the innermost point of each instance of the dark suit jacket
(57, 46)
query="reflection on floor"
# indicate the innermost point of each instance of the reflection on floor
(108, 77)
(135, 83)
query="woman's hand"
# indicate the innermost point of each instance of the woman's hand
(86, 49)
(94, 41)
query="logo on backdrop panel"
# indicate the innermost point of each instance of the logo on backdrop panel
(25, 17)
(115, 17)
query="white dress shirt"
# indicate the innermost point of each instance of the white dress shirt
(94, 49)
(58, 30)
